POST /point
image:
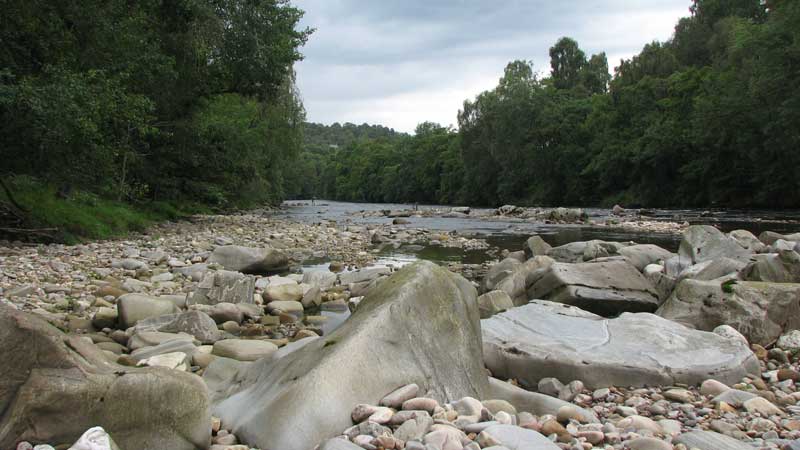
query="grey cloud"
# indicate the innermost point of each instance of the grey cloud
(402, 62)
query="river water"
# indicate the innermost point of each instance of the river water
(510, 234)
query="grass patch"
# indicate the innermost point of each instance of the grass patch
(82, 215)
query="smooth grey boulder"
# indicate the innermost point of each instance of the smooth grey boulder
(783, 267)
(498, 272)
(536, 246)
(759, 311)
(323, 279)
(195, 323)
(224, 286)
(605, 288)
(712, 269)
(338, 444)
(545, 339)
(131, 308)
(704, 242)
(493, 302)
(709, 440)
(518, 438)
(576, 252)
(532, 402)
(747, 240)
(420, 326)
(363, 275)
(641, 255)
(769, 237)
(525, 275)
(255, 261)
(53, 387)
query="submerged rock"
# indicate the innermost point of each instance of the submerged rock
(53, 387)
(419, 326)
(544, 339)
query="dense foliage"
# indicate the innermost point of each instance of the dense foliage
(710, 117)
(151, 100)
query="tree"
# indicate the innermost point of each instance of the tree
(566, 63)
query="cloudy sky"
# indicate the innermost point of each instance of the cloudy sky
(401, 62)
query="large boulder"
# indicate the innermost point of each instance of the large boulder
(642, 255)
(256, 261)
(224, 286)
(783, 267)
(131, 308)
(712, 269)
(498, 272)
(536, 246)
(605, 288)
(769, 237)
(53, 387)
(493, 302)
(525, 275)
(580, 251)
(704, 242)
(545, 339)
(195, 323)
(747, 240)
(760, 311)
(419, 326)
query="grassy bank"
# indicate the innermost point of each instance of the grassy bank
(79, 215)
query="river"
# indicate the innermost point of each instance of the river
(510, 234)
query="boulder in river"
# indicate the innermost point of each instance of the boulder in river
(759, 311)
(420, 326)
(545, 339)
(53, 387)
(605, 288)
(642, 255)
(256, 261)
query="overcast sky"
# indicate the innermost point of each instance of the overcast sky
(402, 62)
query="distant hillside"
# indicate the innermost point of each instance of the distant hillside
(318, 137)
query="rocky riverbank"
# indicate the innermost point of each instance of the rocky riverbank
(209, 334)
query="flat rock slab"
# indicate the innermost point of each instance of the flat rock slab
(517, 438)
(709, 440)
(605, 288)
(545, 339)
(421, 325)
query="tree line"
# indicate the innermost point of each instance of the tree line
(151, 100)
(708, 118)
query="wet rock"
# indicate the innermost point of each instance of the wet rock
(544, 339)
(759, 311)
(422, 348)
(45, 373)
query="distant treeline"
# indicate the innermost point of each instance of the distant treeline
(143, 101)
(710, 117)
